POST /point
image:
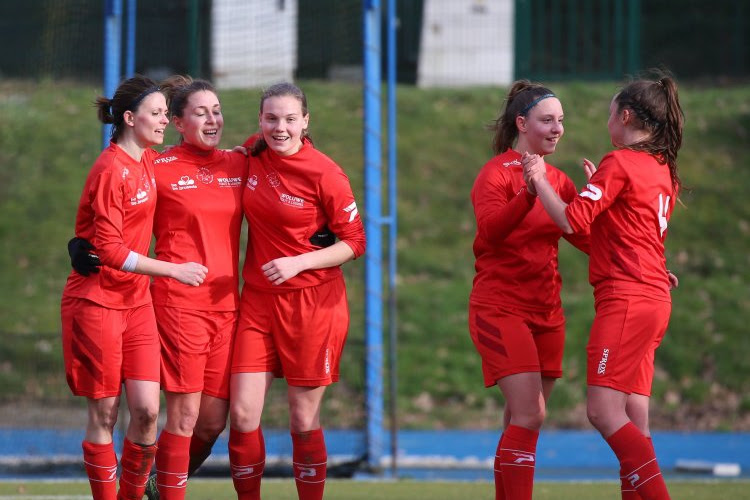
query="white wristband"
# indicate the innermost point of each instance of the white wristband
(130, 262)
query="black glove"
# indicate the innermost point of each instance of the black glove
(323, 237)
(81, 258)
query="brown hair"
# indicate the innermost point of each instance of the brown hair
(519, 101)
(280, 90)
(128, 96)
(657, 110)
(179, 88)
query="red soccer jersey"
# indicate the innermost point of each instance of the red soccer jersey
(627, 203)
(287, 199)
(199, 219)
(115, 213)
(516, 241)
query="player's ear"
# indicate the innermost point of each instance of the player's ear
(521, 123)
(129, 118)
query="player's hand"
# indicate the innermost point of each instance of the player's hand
(190, 273)
(673, 281)
(533, 168)
(279, 270)
(588, 168)
(238, 149)
(82, 258)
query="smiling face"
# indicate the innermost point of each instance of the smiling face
(201, 122)
(149, 120)
(282, 124)
(542, 127)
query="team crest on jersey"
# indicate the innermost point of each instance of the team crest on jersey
(273, 179)
(185, 182)
(252, 182)
(204, 175)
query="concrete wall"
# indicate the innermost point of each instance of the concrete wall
(466, 42)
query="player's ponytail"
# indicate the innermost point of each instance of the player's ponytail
(128, 96)
(656, 107)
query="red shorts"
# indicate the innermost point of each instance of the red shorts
(196, 350)
(511, 341)
(298, 334)
(103, 347)
(624, 337)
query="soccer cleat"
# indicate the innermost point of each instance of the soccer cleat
(152, 492)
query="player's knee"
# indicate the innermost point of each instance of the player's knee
(105, 418)
(144, 417)
(208, 429)
(243, 417)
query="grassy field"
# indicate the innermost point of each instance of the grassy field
(702, 378)
(392, 490)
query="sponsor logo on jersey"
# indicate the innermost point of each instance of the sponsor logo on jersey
(292, 201)
(327, 362)
(252, 181)
(273, 179)
(522, 457)
(166, 159)
(204, 175)
(185, 182)
(125, 172)
(603, 362)
(141, 195)
(229, 182)
(351, 209)
(593, 192)
(512, 163)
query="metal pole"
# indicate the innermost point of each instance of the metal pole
(393, 232)
(130, 44)
(112, 54)
(373, 256)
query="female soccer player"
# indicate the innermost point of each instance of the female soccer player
(198, 217)
(627, 204)
(294, 314)
(109, 330)
(516, 318)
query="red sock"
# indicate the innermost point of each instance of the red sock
(101, 468)
(247, 459)
(309, 459)
(517, 459)
(627, 491)
(638, 461)
(199, 452)
(172, 460)
(499, 489)
(136, 464)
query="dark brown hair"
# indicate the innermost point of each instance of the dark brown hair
(657, 110)
(179, 88)
(519, 101)
(280, 90)
(128, 96)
